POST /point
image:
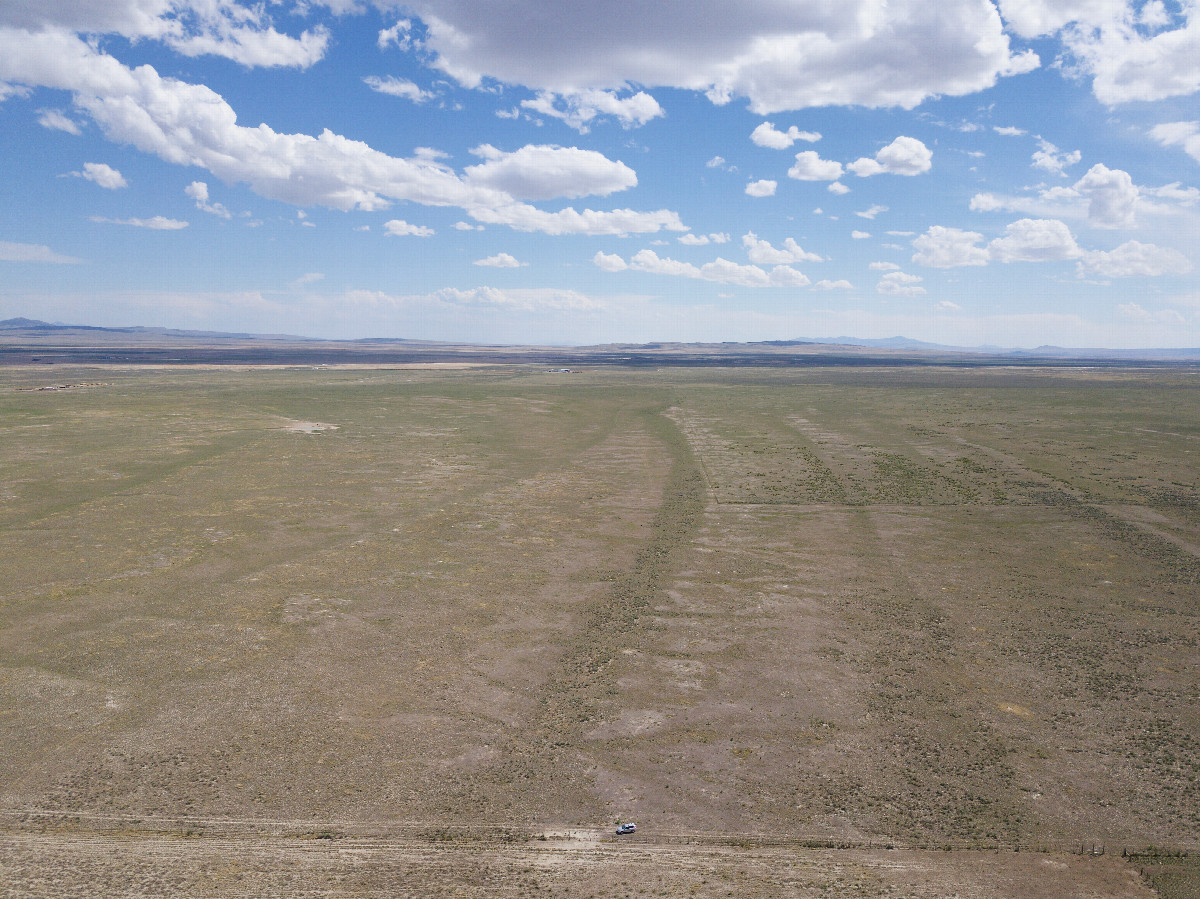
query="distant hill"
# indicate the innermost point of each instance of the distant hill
(895, 343)
(1041, 352)
(31, 324)
(25, 334)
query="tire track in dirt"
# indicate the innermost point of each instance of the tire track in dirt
(53, 865)
(608, 624)
(156, 472)
(547, 760)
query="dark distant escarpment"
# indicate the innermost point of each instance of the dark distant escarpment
(25, 341)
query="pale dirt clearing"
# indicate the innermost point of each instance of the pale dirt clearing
(566, 863)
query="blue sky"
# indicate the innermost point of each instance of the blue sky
(1015, 173)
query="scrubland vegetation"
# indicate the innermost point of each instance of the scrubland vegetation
(343, 632)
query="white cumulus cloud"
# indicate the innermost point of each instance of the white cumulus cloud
(780, 56)
(198, 191)
(1035, 240)
(872, 212)
(1173, 192)
(1129, 66)
(1051, 159)
(900, 284)
(1044, 240)
(500, 260)
(156, 223)
(903, 156)
(399, 34)
(701, 240)
(401, 228)
(1036, 18)
(523, 217)
(1134, 259)
(826, 284)
(767, 135)
(1111, 196)
(398, 87)
(580, 108)
(941, 247)
(786, 276)
(57, 120)
(1106, 198)
(1132, 55)
(540, 172)
(1181, 134)
(102, 175)
(610, 262)
(1026, 240)
(810, 166)
(763, 188)
(762, 252)
(530, 299)
(189, 124)
(720, 270)
(1154, 15)
(1139, 313)
(244, 33)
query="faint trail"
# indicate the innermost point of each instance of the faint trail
(65, 827)
(228, 442)
(1168, 433)
(54, 865)
(1174, 555)
(546, 757)
(608, 623)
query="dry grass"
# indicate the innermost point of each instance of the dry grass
(825, 607)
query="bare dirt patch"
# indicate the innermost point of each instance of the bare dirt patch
(307, 427)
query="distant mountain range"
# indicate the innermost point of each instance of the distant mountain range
(32, 324)
(1046, 350)
(32, 327)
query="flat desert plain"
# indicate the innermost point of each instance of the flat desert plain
(821, 632)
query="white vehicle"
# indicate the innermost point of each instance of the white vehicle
(626, 828)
